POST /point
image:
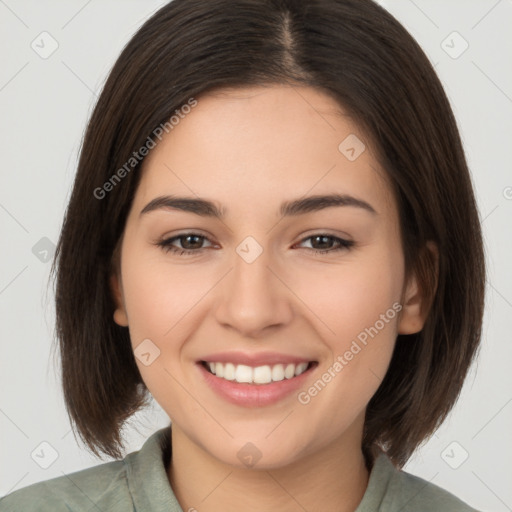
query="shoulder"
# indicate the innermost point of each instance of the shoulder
(404, 491)
(426, 496)
(104, 485)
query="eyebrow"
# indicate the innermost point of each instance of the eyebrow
(206, 208)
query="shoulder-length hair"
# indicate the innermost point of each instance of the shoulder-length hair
(352, 50)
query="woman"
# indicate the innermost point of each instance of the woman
(272, 232)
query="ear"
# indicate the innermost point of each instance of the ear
(120, 316)
(416, 303)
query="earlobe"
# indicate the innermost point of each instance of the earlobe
(415, 300)
(120, 316)
(411, 320)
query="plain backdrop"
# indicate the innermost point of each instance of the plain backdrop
(45, 102)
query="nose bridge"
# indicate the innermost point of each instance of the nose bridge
(252, 296)
(251, 266)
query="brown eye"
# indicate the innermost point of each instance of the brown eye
(190, 243)
(322, 243)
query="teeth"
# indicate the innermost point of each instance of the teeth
(300, 368)
(258, 375)
(229, 371)
(242, 373)
(289, 371)
(278, 372)
(262, 375)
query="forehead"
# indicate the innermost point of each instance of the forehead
(264, 144)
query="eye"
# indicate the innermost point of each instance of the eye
(324, 239)
(191, 243)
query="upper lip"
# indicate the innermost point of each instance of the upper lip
(254, 359)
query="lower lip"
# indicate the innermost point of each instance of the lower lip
(254, 395)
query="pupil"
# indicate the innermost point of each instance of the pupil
(191, 236)
(323, 238)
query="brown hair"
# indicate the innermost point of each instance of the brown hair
(352, 50)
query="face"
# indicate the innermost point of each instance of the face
(296, 311)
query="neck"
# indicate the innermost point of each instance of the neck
(332, 479)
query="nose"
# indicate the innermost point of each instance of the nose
(253, 297)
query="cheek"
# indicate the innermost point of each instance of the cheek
(165, 304)
(159, 296)
(352, 296)
(358, 305)
(162, 302)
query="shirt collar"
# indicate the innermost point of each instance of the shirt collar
(150, 489)
(147, 474)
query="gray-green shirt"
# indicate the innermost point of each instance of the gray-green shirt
(139, 483)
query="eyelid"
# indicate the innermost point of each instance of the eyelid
(177, 236)
(314, 232)
(342, 243)
(327, 232)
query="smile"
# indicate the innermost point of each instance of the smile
(264, 374)
(256, 379)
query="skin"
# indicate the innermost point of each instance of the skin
(248, 150)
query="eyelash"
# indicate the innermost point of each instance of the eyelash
(167, 247)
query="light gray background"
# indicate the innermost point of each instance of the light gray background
(45, 104)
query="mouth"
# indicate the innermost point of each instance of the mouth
(255, 386)
(255, 379)
(257, 375)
